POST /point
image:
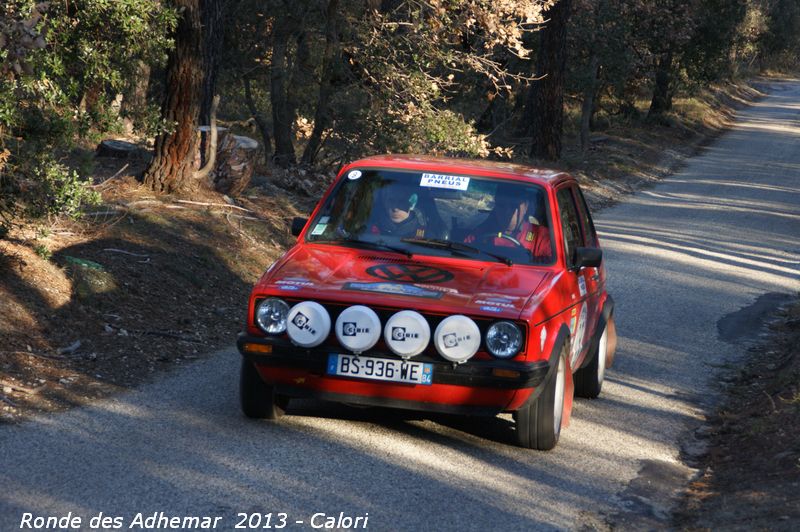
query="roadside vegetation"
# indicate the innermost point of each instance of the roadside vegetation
(320, 82)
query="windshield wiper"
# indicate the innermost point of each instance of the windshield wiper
(367, 244)
(455, 246)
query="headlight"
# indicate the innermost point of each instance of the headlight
(504, 339)
(271, 315)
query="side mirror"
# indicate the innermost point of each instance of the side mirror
(298, 224)
(588, 258)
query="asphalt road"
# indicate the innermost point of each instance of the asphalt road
(699, 246)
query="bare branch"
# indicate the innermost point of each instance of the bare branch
(212, 156)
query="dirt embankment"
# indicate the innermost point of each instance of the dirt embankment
(141, 285)
(751, 473)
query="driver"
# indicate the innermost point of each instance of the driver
(398, 214)
(512, 223)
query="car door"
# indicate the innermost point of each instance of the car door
(593, 277)
(578, 317)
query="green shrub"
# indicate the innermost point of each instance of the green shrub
(42, 251)
(58, 190)
(40, 187)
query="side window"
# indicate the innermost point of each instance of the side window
(588, 225)
(569, 224)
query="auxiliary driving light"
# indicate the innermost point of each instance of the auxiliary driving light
(358, 328)
(457, 338)
(407, 333)
(308, 324)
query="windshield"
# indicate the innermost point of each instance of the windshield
(424, 213)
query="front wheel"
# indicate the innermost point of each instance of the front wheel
(258, 399)
(538, 423)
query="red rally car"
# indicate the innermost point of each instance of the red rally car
(440, 285)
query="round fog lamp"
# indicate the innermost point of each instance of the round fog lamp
(271, 315)
(457, 338)
(407, 333)
(308, 324)
(358, 328)
(504, 339)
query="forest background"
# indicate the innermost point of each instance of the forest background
(321, 82)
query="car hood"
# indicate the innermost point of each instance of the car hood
(436, 284)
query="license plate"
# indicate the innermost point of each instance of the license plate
(380, 369)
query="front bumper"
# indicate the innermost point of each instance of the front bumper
(478, 387)
(475, 373)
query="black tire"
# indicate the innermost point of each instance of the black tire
(538, 424)
(258, 399)
(589, 379)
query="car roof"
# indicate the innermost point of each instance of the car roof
(447, 165)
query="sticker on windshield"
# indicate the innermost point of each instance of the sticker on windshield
(319, 229)
(582, 285)
(453, 182)
(353, 175)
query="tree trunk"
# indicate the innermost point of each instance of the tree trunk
(135, 98)
(587, 109)
(261, 121)
(545, 106)
(282, 114)
(172, 167)
(236, 160)
(329, 58)
(662, 92)
(213, 36)
(302, 72)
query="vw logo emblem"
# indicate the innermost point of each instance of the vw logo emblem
(409, 273)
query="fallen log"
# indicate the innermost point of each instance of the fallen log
(119, 149)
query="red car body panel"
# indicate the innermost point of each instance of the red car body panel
(545, 300)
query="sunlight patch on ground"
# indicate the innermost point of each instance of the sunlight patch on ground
(772, 127)
(654, 247)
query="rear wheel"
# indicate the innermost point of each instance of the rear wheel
(539, 422)
(589, 379)
(258, 399)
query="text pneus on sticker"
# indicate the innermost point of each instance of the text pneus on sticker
(453, 182)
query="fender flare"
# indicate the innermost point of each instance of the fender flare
(605, 316)
(561, 340)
